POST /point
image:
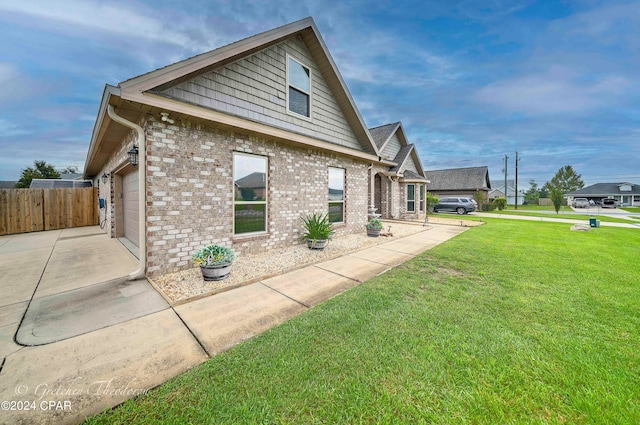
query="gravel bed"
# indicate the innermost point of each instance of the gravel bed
(189, 283)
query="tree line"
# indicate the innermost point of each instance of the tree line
(564, 181)
(41, 170)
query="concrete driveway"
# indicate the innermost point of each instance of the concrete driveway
(98, 340)
(106, 339)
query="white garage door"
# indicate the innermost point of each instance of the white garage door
(130, 206)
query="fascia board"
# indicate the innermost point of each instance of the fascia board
(171, 72)
(107, 94)
(158, 101)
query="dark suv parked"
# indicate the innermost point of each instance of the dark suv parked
(456, 204)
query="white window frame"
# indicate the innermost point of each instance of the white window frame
(411, 200)
(289, 111)
(265, 202)
(344, 192)
(423, 195)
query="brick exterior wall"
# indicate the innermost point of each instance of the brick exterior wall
(190, 192)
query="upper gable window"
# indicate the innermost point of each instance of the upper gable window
(299, 88)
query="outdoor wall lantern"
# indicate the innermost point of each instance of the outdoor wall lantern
(133, 155)
(105, 177)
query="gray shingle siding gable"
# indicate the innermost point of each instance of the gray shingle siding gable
(391, 148)
(254, 87)
(409, 165)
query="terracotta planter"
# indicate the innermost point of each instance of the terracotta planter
(373, 232)
(210, 273)
(316, 243)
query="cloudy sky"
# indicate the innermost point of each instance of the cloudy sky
(471, 81)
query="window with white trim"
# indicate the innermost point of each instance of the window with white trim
(250, 193)
(422, 197)
(336, 195)
(298, 88)
(411, 198)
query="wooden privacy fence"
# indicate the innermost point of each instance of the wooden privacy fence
(33, 210)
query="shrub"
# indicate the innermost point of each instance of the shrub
(432, 200)
(214, 255)
(374, 223)
(490, 206)
(247, 194)
(500, 203)
(317, 227)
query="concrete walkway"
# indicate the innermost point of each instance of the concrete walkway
(131, 341)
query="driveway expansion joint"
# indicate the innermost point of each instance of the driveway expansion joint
(354, 254)
(192, 333)
(337, 274)
(26, 310)
(285, 295)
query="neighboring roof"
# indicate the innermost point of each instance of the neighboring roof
(383, 133)
(58, 183)
(132, 93)
(511, 187)
(256, 179)
(472, 178)
(6, 184)
(71, 176)
(606, 189)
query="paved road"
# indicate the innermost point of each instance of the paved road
(609, 212)
(556, 218)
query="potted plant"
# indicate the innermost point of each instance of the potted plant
(374, 227)
(318, 230)
(214, 261)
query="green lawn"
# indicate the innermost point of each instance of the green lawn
(534, 207)
(631, 209)
(511, 322)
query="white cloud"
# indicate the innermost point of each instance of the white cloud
(7, 73)
(559, 90)
(9, 129)
(17, 86)
(96, 16)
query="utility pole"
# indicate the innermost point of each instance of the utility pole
(516, 194)
(506, 196)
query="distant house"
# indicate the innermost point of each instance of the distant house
(251, 187)
(71, 176)
(6, 184)
(625, 193)
(499, 192)
(460, 181)
(58, 183)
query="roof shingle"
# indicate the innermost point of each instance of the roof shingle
(382, 133)
(606, 189)
(472, 178)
